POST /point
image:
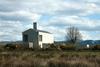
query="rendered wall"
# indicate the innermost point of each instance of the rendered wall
(47, 38)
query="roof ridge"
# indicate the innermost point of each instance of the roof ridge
(38, 30)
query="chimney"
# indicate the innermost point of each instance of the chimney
(34, 25)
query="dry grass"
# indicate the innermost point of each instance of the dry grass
(49, 59)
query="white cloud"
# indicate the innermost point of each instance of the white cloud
(90, 35)
(16, 16)
(19, 16)
(10, 30)
(85, 35)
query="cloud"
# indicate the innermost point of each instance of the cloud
(90, 35)
(10, 30)
(59, 24)
(77, 21)
(52, 15)
(23, 16)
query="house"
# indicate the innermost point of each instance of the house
(34, 38)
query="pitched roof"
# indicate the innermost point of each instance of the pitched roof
(38, 30)
(43, 31)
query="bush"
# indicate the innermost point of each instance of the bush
(53, 46)
(96, 47)
(10, 46)
(67, 47)
(50, 48)
(13, 46)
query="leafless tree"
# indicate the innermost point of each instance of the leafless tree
(73, 35)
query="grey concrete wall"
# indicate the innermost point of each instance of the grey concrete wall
(32, 37)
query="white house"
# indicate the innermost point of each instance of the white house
(87, 45)
(34, 38)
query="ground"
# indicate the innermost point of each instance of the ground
(30, 58)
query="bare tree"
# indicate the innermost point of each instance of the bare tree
(73, 35)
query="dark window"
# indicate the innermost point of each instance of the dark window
(40, 37)
(25, 38)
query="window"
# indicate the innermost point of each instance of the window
(40, 37)
(25, 38)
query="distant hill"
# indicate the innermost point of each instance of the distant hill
(90, 42)
(11, 42)
(83, 42)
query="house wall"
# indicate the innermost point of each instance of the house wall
(47, 38)
(32, 38)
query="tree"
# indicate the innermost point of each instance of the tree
(73, 35)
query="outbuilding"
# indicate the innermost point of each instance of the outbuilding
(34, 38)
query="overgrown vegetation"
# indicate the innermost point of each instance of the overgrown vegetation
(55, 56)
(49, 59)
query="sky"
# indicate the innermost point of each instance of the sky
(54, 16)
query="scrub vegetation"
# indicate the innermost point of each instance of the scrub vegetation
(49, 58)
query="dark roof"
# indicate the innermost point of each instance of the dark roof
(43, 31)
(39, 31)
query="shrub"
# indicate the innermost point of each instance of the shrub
(67, 47)
(96, 47)
(10, 46)
(53, 46)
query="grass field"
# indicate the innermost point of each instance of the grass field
(49, 59)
